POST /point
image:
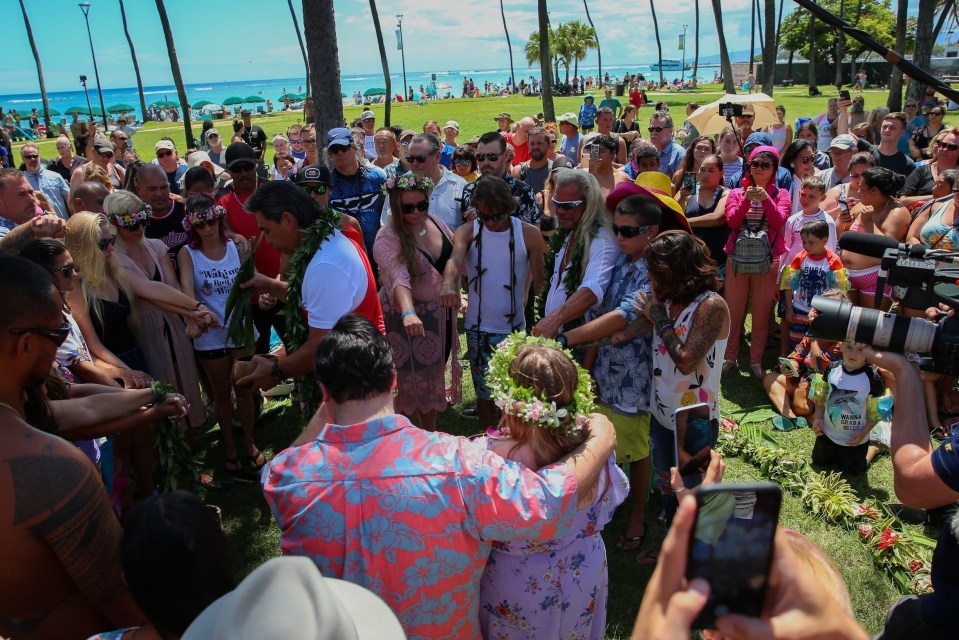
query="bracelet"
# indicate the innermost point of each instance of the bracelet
(662, 327)
(276, 372)
(197, 307)
(408, 313)
(563, 340)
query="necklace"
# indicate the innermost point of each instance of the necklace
(14, 409)
(421, 232)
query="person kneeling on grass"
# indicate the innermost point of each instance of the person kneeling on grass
(850, 399)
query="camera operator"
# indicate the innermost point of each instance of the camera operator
(924, 478)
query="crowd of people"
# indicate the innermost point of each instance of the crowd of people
(602, 279)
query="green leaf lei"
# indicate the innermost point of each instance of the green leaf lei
(573, 277)
(297, 330)
(173, 454)
(522, 402)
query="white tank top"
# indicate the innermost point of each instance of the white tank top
(671, 388)
(489, 295)
(212, 280)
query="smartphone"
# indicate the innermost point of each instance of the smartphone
(732, 547)
(788, 368)
(689, 181)
(594, 151)
(694, 437)
(844, 94)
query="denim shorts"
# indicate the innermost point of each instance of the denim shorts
(479, 350)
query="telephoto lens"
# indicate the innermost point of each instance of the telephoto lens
(843, 322)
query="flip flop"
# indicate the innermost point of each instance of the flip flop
(782, 423)
(801, 422)
(632, 543)
(729, 365)
(757, 371)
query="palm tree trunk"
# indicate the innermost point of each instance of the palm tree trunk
(770, 50)
(945, 11)
(752, 34)
(839, 42)
(136, 65)
(320, 27)
(546, 79)
(43, 85)
(659, 44)
(727, 68)
(894, 99)
(812, 51)
(599, 53)
(922, 56)
(509, 46)
(696, 44)
(299, 38)
(384, 62)
(177, 76)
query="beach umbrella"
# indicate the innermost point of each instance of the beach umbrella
(708, 120)
(211, 107)
(292, 97)
(77, 110)
(120, 108)
(255, 99)
(200, 104)
(374, 92)
(342, 95)
(233, 100)
(165, 104)
(54, 112)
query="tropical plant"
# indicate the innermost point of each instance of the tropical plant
(724, 63)
(177, 76)
(136, 65)
(509, 47)
(659, 44)
(36, 57)
(383, 60)
(562, 46)
(545, 53)
(599, 53)
(320, 27)
(546, 80)
(582, 38)
(299, 38)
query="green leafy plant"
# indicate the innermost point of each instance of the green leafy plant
(239, 311)
(174, 458)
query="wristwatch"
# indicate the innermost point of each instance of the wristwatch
(276, 372)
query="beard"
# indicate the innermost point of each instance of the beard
(537, 155)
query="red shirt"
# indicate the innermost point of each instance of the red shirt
(520, 152)
(243, 222)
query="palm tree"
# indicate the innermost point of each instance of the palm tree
(812, 52)
(770, 50)
(512, 76)
(561, 44)
(299, 38)
(177, 77)
(582, 38)
(724, 63)
(922, 56)
(43, 85)
(659, 44)
(320, 27)
(136, 65)
(533, 51)
(894, 99)
(599, 53)
(546, 80)
(696, 43)
(384, 62)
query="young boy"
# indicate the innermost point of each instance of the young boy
(645, 158)
(850, 399)
(811, 272)
(811, 196)
(587, 114)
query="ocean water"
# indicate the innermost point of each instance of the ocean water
(217, 92)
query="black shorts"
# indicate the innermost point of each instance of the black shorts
(826, 453)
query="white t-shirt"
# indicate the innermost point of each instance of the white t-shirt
(490, 296)
(597, 273)
(334, 283)
(844, 420)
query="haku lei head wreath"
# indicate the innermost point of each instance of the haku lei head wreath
(522, 402)
(409, 181)
(133, 219)
(209, 214)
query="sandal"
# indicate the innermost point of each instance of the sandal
(782, 423)
(729, 365)
(233, 465)
(801, 422)
(632, 543)
(757, 371)
(648, 557)
(256, 460)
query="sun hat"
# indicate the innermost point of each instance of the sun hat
(569, 118)
(655, 185)
(313, 173)
(339, 137)
(452, 124)
(164, 144)
(367, 115)
(502, 115)
(287, 597)
(197, 158)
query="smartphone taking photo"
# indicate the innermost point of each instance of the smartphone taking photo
(694, 437)
(731, 547)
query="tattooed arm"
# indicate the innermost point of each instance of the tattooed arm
(709, 320)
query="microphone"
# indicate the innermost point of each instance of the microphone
(874, 246)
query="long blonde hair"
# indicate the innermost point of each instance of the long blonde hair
(83, 238)
(119, 203)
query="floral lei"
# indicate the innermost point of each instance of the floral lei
(134, 219)
(409, 181)
(210, 214)
(297, 330)
(522, 402)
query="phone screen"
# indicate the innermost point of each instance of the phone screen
(694, 436)
(594, 151)
(689, 181)
(788, 367)
(844, 94)
(731, 547)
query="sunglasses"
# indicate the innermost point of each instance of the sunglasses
(106, 242)
(164, 153)
(462, 163)
(492, 157)
(936, 113)
(656, 129)
(337, 149)
(137, 225)
(105, 154)
(805, 160)
(294, 141)
(910, 106)
(123, 138)
(199, 224)
(951, 146)
(493, 218)
(421, 206)
(765, 165)
(630, 232)
(57, 336)
(310, 142)
(242, 167)
(67, 269)
(420, 158)
(567, 205)
(31, 157)
(318, 190)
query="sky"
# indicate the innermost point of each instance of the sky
(255, 39)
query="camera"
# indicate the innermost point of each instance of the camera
(731, 110)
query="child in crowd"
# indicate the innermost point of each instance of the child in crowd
(850, 399)
(645, 157)
(556, 588)
(284, 167)
(587, 114)
(811, 196)
(813, 270)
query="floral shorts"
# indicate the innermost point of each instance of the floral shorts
(479, 350)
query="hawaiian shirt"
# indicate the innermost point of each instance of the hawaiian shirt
(411, 515)
(527, 210)
(623, 372)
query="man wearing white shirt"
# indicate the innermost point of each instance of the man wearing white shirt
(423, 156)
(584, 265)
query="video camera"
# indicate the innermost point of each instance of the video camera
(935, 343)
(731, 110)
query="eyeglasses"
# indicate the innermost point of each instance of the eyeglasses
(123, 138)
(765, 165)
(630, 232)
(805, 160)
(420, 158)
(308, 141)
(336, 149)
(241, 168)
(31, 157)
(656, 129)
(462, 163)
(936, 113)
(164, 153)
(56, 336)
(492, 157)
(106, 242)
(318, 190)
(66, 270)
(910, 106)
(421, 206)
(566, 205)
(951, 146)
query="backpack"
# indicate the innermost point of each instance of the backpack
(752, 253)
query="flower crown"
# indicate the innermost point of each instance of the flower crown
(132, 220)
(409, 181)
(210, 214)
(522, 402)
